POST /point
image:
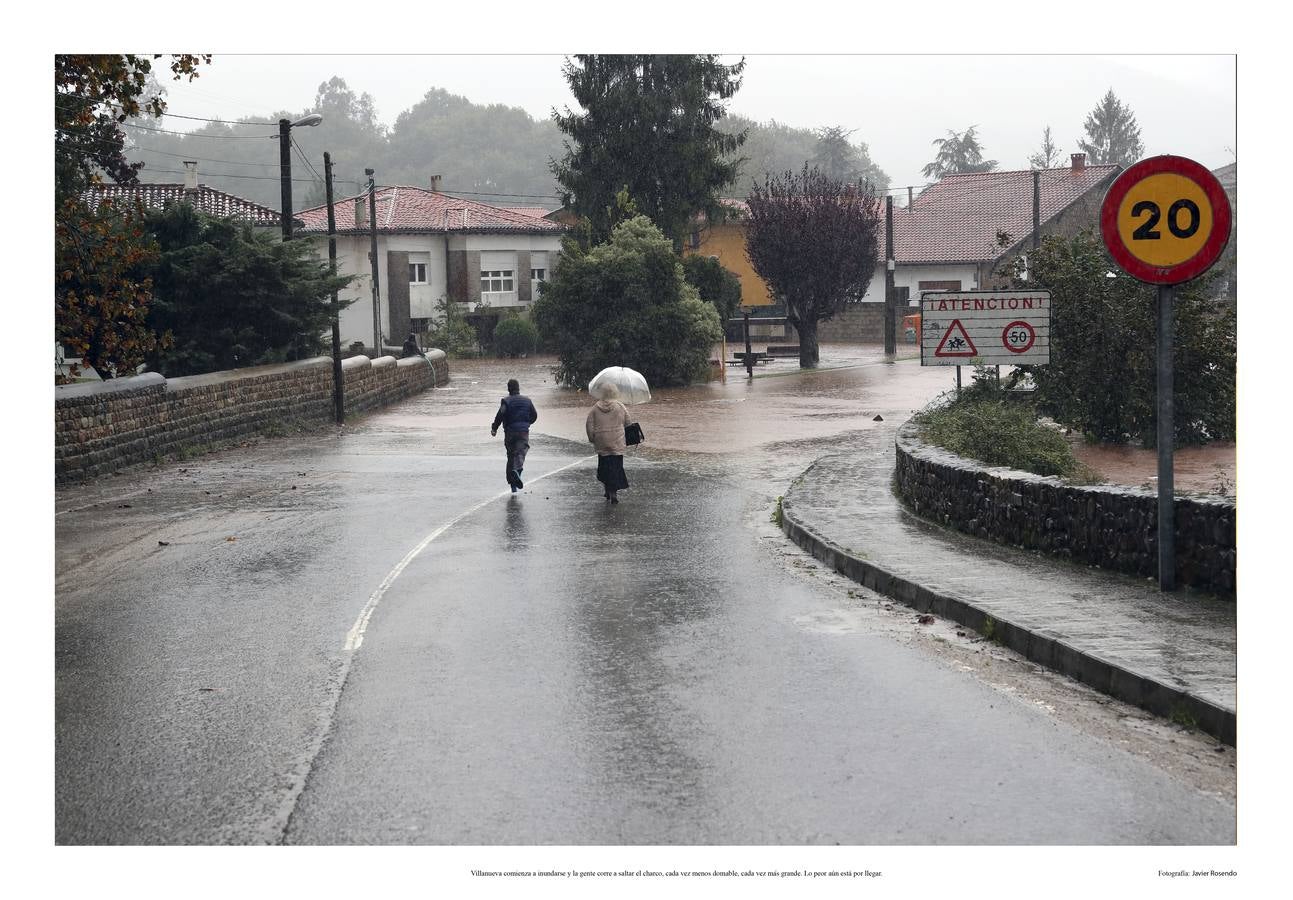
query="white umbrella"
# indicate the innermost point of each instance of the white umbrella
(619, 383)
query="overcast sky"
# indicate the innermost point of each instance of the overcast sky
(897, 105)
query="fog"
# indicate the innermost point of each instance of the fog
(896, 104)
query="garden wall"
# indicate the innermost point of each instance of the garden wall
(1111, 527)
(106, 426)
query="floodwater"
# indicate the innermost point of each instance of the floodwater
(770, 424)
(771, 427)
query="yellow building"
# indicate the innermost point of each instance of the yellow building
(726, 243)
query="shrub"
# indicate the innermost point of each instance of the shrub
(453, 333)
(715, 284)
(985, 425)
(626, 303)
(515, 337)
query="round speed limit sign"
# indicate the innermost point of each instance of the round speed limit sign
(1165, 220)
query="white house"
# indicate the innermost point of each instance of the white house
(431, 246)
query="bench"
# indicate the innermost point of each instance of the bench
(783, 350)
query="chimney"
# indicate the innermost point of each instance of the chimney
(190, 176)
(361, 212)
(1079, 161)
(435, 183)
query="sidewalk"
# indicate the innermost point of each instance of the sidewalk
(1173, 654)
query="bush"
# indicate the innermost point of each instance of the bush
(715, 284)
(1101, 377)
(453, 333)
(986, 425)
(515, 337)
(626, 303)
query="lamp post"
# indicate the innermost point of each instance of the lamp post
(285, 127)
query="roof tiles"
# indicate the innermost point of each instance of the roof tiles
(414, 209)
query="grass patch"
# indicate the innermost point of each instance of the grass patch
(1183, 717)
(985, 425)
(777, 515)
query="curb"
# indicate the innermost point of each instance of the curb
(1107, 677)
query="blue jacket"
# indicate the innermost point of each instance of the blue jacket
(515, 413)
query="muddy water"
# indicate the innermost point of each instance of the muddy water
(773, 426)
(769, 428)
(1195, 470)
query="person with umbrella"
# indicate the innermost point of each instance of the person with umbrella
(608, 424)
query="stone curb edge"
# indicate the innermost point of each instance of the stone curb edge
(1102, 675)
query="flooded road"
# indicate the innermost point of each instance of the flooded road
(361, 636)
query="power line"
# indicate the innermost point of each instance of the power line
(194, 134)
(253, 177)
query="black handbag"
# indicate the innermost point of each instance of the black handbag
(633, 434)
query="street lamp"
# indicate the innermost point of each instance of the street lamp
(285, 163)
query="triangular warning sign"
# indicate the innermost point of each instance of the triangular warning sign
(956, 342)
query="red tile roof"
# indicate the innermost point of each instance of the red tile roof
(206, 199)
(418, 210)
(957, 219)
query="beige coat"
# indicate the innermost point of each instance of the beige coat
(605, 427)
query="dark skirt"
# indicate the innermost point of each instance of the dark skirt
(610, 472)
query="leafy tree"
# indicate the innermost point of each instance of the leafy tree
(233, 296)
(837, 158)
(1048, 156)
(773, 147)
(648, 127)
(1101, 376)
(958, 154)
(626, 303)
(482, 149)
(100, 300)
(814, 240)
(1113, 137)
(714, 283)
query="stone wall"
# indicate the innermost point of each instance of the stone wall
(1111, 527)
(856, 323)
(107, 426)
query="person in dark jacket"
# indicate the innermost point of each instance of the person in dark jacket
(516, 414)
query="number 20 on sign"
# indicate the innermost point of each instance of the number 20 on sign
(1165, 220)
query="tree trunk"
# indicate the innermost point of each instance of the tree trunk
(807, 329)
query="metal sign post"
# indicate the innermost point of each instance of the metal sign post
(1165, 220)
(1166, 409)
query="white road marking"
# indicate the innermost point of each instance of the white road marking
(355, 638)
(276, 830)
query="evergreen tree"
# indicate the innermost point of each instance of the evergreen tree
(232, 296)
(648, 127)
(958, 154)
(1113, 137)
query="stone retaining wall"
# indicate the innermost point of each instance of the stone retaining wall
(1111, 527)
(107, 426)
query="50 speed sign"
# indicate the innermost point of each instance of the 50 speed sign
(1165, 219)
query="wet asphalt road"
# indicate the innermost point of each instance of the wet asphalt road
(365, 639)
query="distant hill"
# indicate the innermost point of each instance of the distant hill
(493, 153)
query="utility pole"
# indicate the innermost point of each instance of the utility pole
(372, 255)
(285, 173)
(338, 383)
(890, 326)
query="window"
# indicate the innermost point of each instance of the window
(538, 274)
(496, 280)
(417, 273)
(938, 286)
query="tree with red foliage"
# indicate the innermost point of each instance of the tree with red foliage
(814, 240)
(100, 296)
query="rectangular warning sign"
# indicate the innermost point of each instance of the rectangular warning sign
(967, 328)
